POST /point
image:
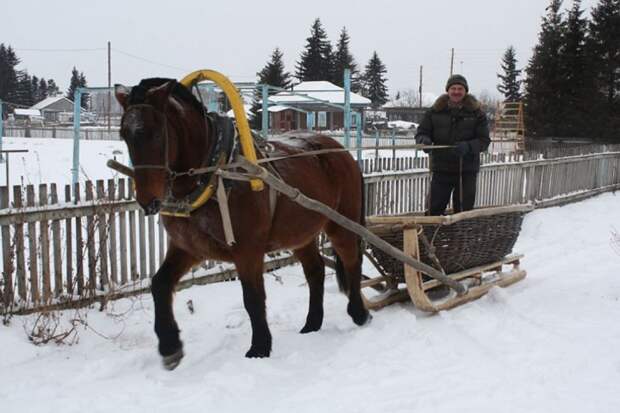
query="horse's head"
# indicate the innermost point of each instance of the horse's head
(151, 142)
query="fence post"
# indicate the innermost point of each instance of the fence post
(347, 107)
(7, 251)
(211, 100)
(265, 114)
(1, 127)
(77, 98)
(358, 127)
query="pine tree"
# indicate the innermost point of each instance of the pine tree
(315, 60)
(344, 60)
(604, 46)
(8, 74)
(53, 89)
(43, 93)
(578, 87)
(24, 89)
(544, 77)
(85, 96)
(373, 81)
(510, 86)
(273, 74)
(77, 80)
(34, 88)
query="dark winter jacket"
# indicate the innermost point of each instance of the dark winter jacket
(449, 126)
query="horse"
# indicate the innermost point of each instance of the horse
(167, 133)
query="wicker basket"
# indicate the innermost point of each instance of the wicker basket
(459, 245)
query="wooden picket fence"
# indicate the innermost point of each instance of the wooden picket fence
(419, 160)
(541, 182)
(96, 243)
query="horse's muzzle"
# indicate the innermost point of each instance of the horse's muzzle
(153, 207)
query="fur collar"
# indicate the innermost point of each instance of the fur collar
(470, 103)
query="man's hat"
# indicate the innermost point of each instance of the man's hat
(457, 80)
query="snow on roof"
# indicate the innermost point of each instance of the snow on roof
(48, 101)
(246, 108)
(28, 112)
(321, 90)
(280, 108)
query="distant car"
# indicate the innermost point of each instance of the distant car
(401, 124)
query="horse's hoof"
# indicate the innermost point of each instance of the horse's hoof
(309, 329)
(312, 325)
(255, 352)
(173, 360)
(359, 316)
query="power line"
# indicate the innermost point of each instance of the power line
(60, 50)
(148, 60)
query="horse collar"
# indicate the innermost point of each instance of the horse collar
(218, 155)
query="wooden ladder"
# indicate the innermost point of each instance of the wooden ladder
(510, 125)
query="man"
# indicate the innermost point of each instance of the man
(455, 119)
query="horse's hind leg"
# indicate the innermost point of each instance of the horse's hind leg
(314, 269)
(250, 270)
(176, 263)
(349, 269)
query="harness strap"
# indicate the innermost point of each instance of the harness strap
(262, 147)
(222, 201)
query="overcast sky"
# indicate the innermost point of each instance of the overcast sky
(173, 38)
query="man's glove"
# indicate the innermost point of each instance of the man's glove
(461, 149)
(424, 140)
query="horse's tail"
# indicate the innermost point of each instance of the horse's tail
(341, 278)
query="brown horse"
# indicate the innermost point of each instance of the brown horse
(166, 132)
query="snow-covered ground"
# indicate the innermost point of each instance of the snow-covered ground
(546, 344)
(50, 160)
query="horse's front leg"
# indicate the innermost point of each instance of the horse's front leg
(176, 263)
(250, 270)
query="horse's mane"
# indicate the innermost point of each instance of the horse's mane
(138, 92)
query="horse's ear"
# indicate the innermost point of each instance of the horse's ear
(158, 96)
(122, 93)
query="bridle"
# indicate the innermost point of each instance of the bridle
(206, 182)
(170, 174)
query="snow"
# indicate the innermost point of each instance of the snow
(321, 90)
(28, 112)
(48, 101)
(50, 160)
(546, 344)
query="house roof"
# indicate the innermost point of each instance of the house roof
(317, 90)
(49, 101)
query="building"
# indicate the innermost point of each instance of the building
(55, 109)
(404, 113)
(321, 101)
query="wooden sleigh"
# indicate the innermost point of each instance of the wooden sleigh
(472, 247)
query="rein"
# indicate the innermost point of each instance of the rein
(128, 171)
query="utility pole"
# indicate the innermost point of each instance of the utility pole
(452, 61)
(109, 88)
(420, 88)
